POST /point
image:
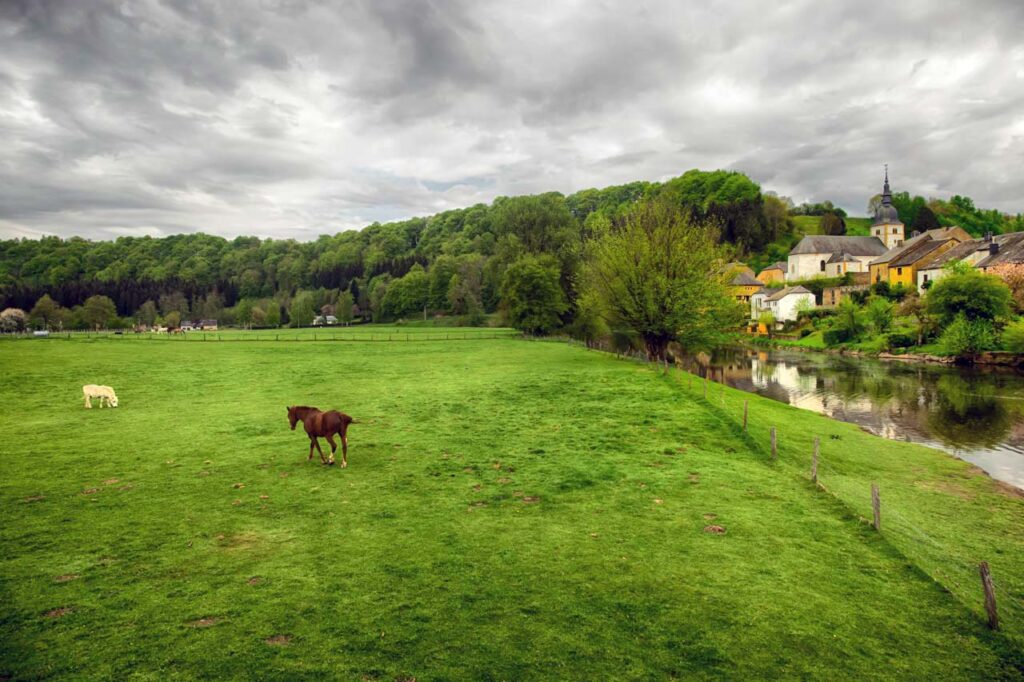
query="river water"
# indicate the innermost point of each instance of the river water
(976, 414)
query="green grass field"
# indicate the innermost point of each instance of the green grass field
(512, 510)
(811, 224)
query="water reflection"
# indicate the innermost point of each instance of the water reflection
(975, 414)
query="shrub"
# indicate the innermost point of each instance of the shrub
(806, 331)
(1013, 337)
(879, 312)
(835, 336)
(967, 337)
(899, 340)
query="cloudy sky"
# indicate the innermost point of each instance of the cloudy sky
(289, 118)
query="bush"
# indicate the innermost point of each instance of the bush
(967, 337)
(1013, 337)
(835, 336)
(806, 331)
(900, 340)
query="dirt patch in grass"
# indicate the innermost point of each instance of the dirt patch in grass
(111, 481)
(714, 530)
(34, 498)
(710, 517)
(126, 487)
(203, 473)
(504, 480)
(90, 491)
(67, 577)
(240, 541)
(264, 497)
(203, 623)
(947, 488)
(235, 503)
(58, 613)
(255, 580)
(238, 486)
(658, 500)
(694, 477)
(530, 499)
(278, 640)
(1009, 490)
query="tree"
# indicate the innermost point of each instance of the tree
(47, 313)
(13, 320)
(914, 306)
(301, 311)
(344, 307)
(172, 319)
(98, 311)
(879, 311)
(832, 224)
(658, 273)
(243, 312)
(849, 319)
(968, 292)
(965, 336)
(146, 314)
(172, 301)
(272, 317)
(767, 319)
(925, 220)
(532, 295)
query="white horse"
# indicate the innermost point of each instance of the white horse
(104, 393)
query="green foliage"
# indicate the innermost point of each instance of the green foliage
(899, 340)
(272, 315)
(879, 313)
(406, 296)
(832, 224)
(343, 308)
(849, 320)
(1013, 337)
(970, 293)
(301, 312)
(966, 336)
(47, 313)
(98, 312)
(658, 274)
(13, 320)
(835, 336)
(767, 319)
(531, 293)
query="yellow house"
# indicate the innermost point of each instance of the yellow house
(743, 286)
(776, 272)
(903, 269)
(881, 269)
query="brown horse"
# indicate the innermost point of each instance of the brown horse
(325, 424)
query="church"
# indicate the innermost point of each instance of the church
(834, 256)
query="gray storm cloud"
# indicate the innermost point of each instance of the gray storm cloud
(292, 119)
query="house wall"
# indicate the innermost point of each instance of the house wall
(891, 234)
(771, 275)
(743, 293)
(785, 309)
(904, 275)
(805, 265)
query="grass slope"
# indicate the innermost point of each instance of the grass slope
(811, 224)
(511, 510)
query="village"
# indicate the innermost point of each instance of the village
(784, 290)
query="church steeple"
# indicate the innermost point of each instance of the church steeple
(887, 225)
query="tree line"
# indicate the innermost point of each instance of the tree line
(521, 255)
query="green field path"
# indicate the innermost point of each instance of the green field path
(512, 510)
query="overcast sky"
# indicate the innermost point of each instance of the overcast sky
(288, 118)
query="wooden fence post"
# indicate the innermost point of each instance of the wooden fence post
(744, 415)
(814, 461)
(876, 506)
(990, 595)
(775, 446)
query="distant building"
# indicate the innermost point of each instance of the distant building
(784, 304)
(811, 256)
(206, 325)
(988, 254)
(322, 320)
(831, 296)
(899, 265)
(776, 272)
(744, 285)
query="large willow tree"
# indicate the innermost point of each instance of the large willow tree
(659, 274)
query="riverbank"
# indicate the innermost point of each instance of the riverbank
(988, 358)
(510, 510)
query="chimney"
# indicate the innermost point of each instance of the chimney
(993, 248)
(988, 237)
(915, 233)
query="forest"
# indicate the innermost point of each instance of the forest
(467, 262)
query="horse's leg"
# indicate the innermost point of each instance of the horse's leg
(88, 403)
(344, 450)
(310, 449)
(316, 441)
(334, 448)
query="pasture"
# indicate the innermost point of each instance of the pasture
(511, 510)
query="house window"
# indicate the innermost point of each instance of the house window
(899, 271)
(894, 230)
(926, 278)
(823, 266)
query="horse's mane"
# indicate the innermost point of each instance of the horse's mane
(304, 409)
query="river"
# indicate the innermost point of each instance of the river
(976, 414)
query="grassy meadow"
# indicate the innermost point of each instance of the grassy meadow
(511, 510)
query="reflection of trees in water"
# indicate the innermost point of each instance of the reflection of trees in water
(967, 412)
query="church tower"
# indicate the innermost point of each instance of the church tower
(887, 225)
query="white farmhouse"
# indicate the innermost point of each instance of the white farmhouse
(784, 304)
(821, 255)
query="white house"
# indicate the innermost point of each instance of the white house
(784, 304)
(813, 254)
